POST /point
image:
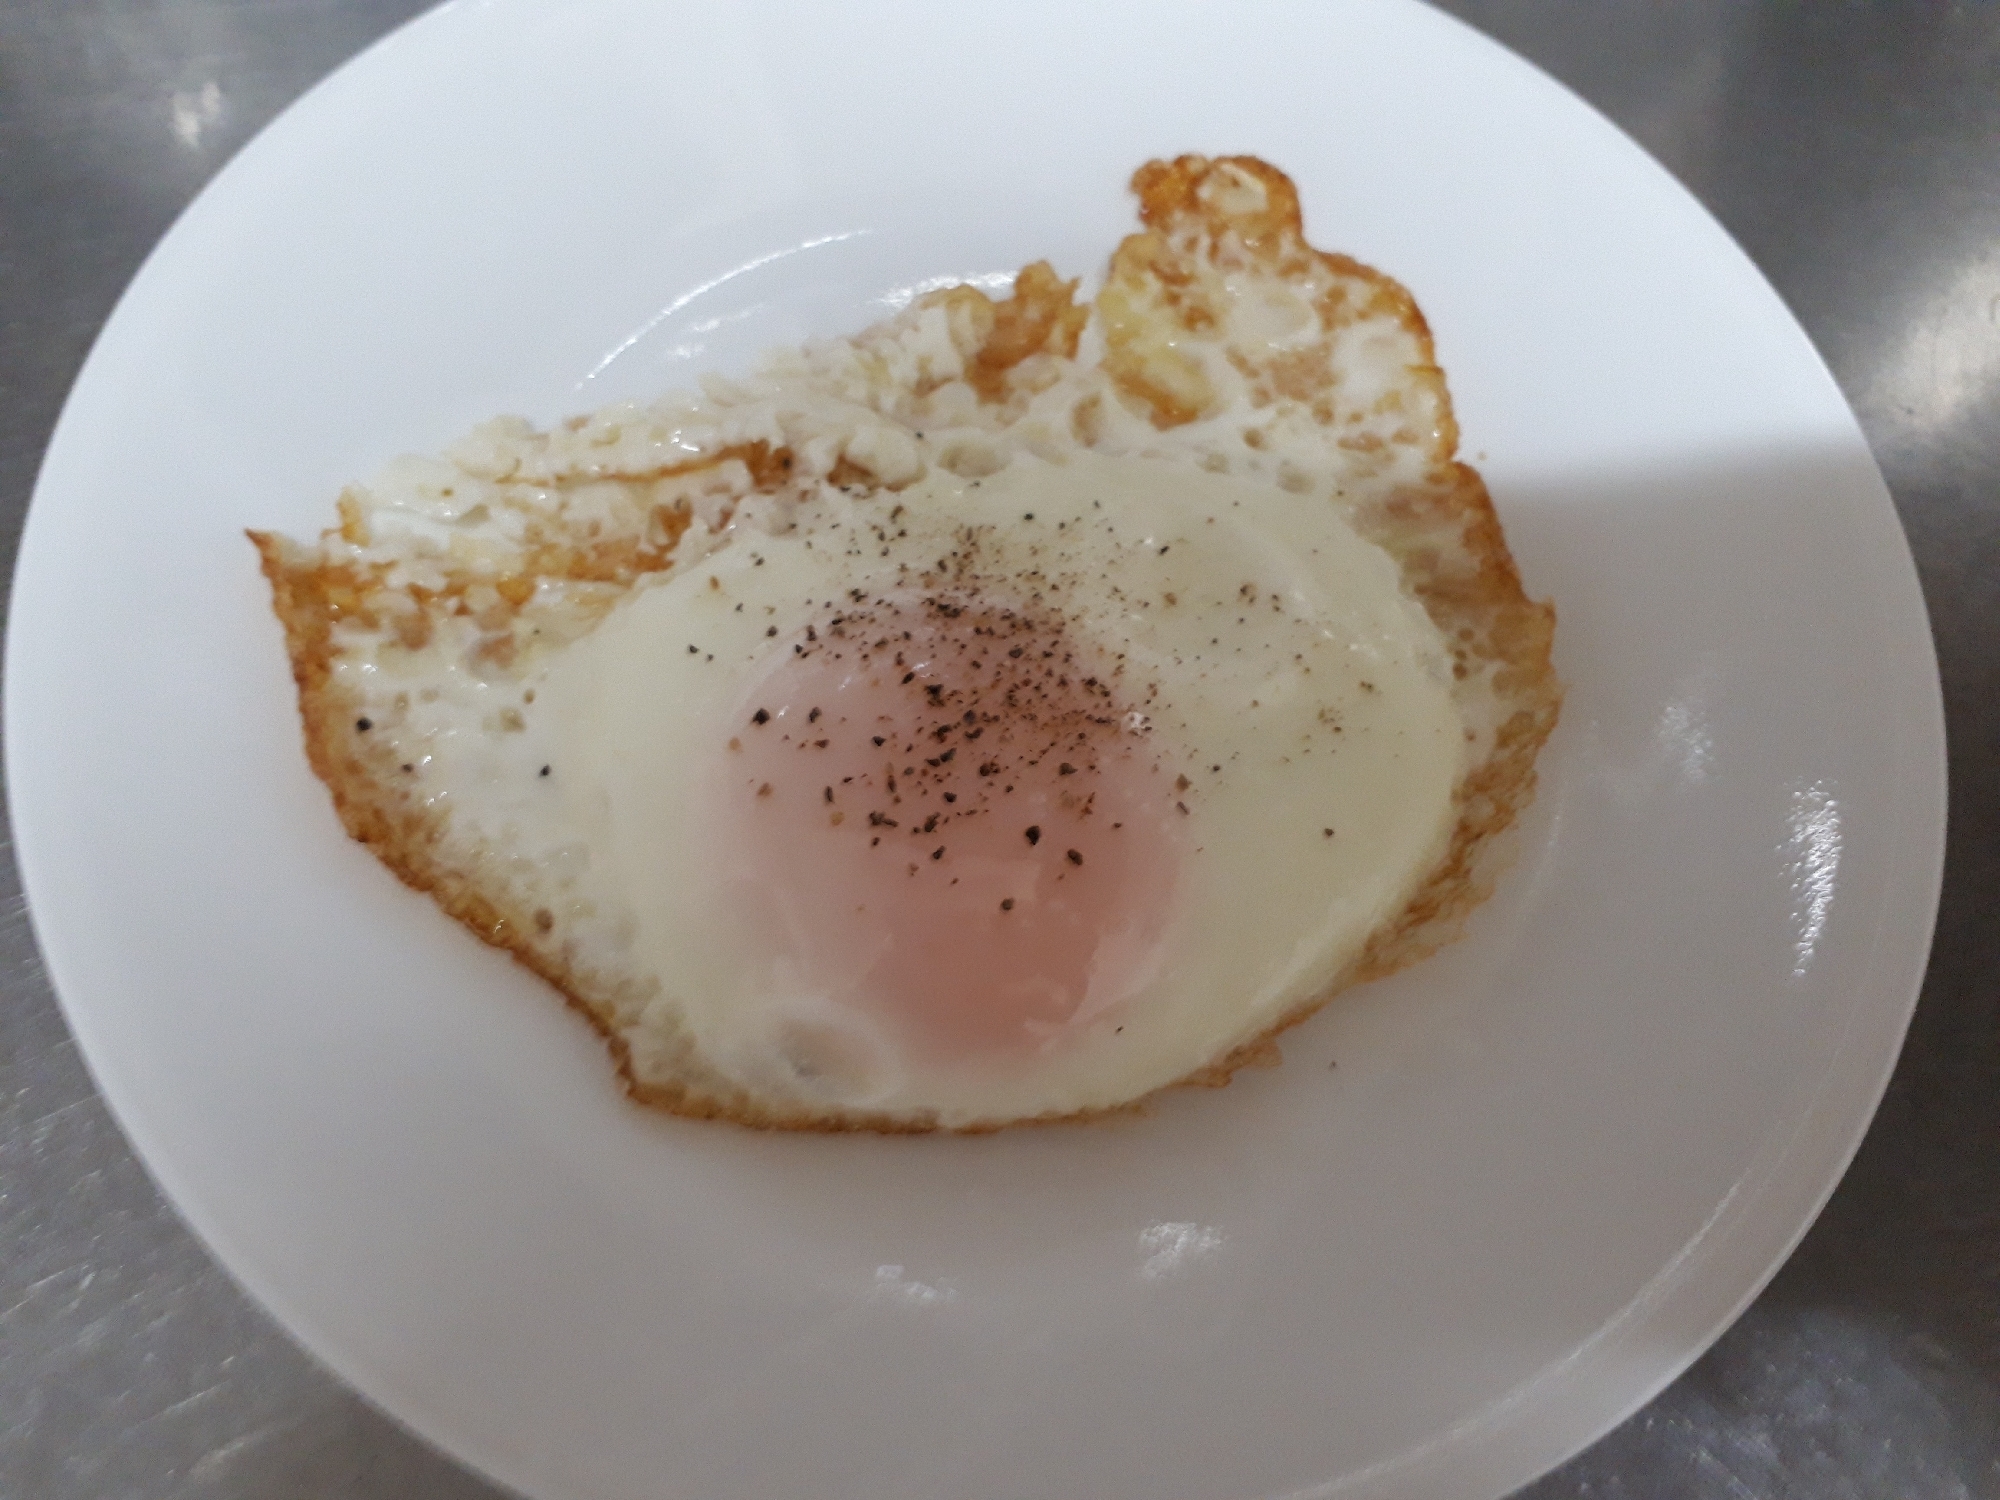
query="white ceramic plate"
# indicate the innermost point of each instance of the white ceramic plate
(1550, 1165)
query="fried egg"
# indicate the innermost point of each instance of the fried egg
(998, 716)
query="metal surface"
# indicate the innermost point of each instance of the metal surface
(1853, 149)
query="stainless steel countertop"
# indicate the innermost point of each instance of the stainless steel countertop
(1854, 150)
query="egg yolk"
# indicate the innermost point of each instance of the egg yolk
(948, 818)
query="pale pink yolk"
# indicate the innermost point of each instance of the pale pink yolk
(944, 817)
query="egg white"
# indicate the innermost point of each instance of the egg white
(1301, 693)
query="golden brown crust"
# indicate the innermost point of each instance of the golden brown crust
(1165, 295)
(1040, 316)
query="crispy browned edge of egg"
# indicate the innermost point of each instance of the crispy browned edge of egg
(1481, 608)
